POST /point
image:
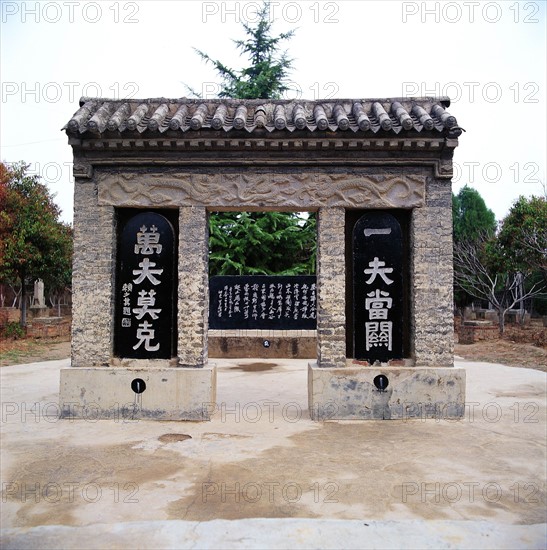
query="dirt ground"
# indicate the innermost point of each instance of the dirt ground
(519, 348)
(505, 352)
(16, 352)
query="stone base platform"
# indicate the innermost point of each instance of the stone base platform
(412, 392)
(107, 393)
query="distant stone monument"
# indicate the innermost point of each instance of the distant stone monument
(378, 174)
(38, 306)
(38, 299)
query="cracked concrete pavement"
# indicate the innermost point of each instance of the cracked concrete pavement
(261, 467)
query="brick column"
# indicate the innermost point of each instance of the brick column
(331, 281)
(92, 279)
(432, 325)
(193, 291)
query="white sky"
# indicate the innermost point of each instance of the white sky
(489, 57)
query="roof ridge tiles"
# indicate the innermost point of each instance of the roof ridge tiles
(444, 100)
(152, 116)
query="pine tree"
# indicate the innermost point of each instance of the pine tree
(265, 77)
(256, 243)
(259, 243)
(471, 217)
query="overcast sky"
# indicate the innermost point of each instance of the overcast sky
(489, 57)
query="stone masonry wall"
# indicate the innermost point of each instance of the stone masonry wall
(49, 327)
(331, 280)
(193, 291)
(9, 315)
(431, 286)
(469, 334)
(94, 264)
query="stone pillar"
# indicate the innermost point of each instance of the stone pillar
(106, 391)
(193, 290)
(92, 279)
(432, 326)
(331, 281)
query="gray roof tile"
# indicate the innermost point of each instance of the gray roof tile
(107, 117)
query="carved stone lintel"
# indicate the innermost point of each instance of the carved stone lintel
(292, 190)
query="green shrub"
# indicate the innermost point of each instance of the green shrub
(14, 330)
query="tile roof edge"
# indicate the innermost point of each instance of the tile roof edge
(443, 100)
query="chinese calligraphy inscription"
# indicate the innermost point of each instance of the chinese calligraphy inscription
(377, 288)
(263, 302)
(145, 327)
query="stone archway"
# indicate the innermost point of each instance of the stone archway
(333, 157)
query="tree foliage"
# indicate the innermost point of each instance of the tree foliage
(470, 215)
(504, 268)
(265, 77)
(472, 222)
(33, 242)
(523, 235)
(256, 243)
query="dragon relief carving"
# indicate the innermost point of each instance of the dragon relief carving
(309, 190)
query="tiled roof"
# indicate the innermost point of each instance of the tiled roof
(406, 116)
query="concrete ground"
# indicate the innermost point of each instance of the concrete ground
(261, 474)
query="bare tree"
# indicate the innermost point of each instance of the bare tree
(16, 293)
(474, 274)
